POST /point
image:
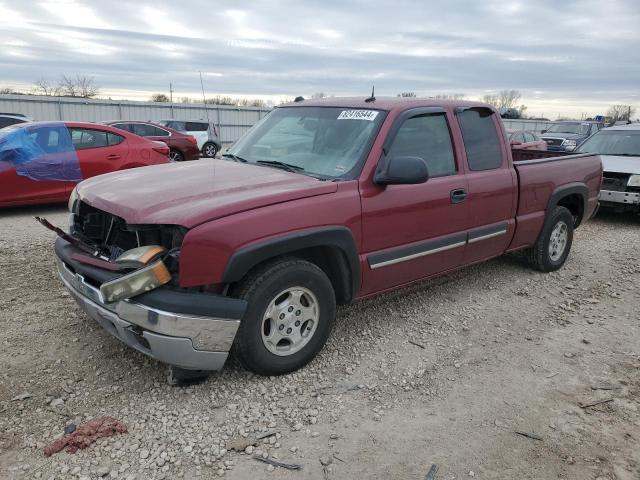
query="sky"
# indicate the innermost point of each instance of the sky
(567, 58)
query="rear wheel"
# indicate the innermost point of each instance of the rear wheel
(291, 311)
(175, 155)
(209, 150)
(552, 248)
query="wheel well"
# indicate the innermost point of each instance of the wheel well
(332, 261)
(575, 204)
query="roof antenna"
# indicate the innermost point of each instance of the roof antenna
(372, 98)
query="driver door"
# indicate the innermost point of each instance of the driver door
(415, 231)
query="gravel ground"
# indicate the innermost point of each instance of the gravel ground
(440, 373)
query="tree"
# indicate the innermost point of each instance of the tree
(185, 100)
(46, 87)
(621, 112)
(318, 95)
(504, 99)
(491, 100)
(159, 97)
(407, 94)
(68, 86)
(80, 86)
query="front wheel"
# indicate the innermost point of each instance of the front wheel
(552, 248)
(209, 150)
(290, 314)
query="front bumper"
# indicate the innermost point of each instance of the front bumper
(624, 198)
(187, 340)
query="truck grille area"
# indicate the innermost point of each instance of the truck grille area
(556, 142)
(112, 235)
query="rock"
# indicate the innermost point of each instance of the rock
(70, 428)
(21, 397)
(144, 454)
(472, 473)
(160, 461)
(334, 436)
(56, 403)
(240, 443)
(187, 449)
(103, 471)
(220, 472)
(270, 468)
(293, 449)
(315, 434)
(297, 426)
(249, 449)
(325, 460)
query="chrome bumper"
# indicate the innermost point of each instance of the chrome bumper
(187, 341)
(629, 198)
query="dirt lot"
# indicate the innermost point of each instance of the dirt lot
(496, 348)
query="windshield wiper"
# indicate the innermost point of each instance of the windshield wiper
(283, 165)
(234, 157)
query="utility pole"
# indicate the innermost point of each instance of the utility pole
(171, 99)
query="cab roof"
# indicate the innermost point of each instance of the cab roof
(384, 103)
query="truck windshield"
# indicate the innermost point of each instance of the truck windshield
(613, 142)
(326, 142)
(569, 127)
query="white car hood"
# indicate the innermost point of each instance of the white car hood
(613, 163)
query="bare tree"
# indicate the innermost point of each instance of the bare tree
(508, 98)
(44, 86)
(185, 100)
(319, 95)
(159, 97)
(621, 112)
(407, 94)
(68, 86)
(491, 100)
(87, 86)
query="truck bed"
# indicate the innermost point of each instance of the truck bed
(543, 175)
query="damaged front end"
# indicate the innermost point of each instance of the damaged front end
(126, 278)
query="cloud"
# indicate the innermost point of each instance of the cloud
(582, 52)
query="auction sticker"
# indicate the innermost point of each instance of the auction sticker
(369, 115)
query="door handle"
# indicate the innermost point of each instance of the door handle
(113, 156)
(458, 195)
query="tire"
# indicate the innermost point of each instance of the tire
(304, 329)
(209, 150)
(552, 248)
(175, 155)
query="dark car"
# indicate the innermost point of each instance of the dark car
(181, 146)
(566, 136)
(7, 119)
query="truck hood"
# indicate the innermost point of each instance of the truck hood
(614, 163)
(192, 193)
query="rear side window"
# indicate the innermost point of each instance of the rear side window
(124, 126)
(530, 137)
(6, 121)
(427, 137)
(481, 140)
(84, 138)
(114, 139)
(145, 130)
(197, 127)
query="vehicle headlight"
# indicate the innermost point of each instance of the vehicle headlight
(137, 282)
(569, 144)
(634, 181)
(72, 199)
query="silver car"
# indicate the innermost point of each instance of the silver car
(619, 149)
(206, 134)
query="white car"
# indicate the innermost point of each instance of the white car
(619, 149)
(205, 133)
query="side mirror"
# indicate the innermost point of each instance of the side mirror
(543, 131)
(401, 171)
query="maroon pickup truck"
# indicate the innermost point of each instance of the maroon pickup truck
(321, 203)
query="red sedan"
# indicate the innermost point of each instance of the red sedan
(524, 140)
(182, 146)
(41, 162)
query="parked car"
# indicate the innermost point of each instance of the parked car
(371, 196)
(181, 146)
(619, 148)
(206, 134)
(7, 119)
(525, 140)
(566, 136)
(41, 162)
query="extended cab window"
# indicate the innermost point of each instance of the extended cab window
(481, 140)
(145, 130)
(427, 137)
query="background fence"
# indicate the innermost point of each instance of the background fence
(231, 121)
